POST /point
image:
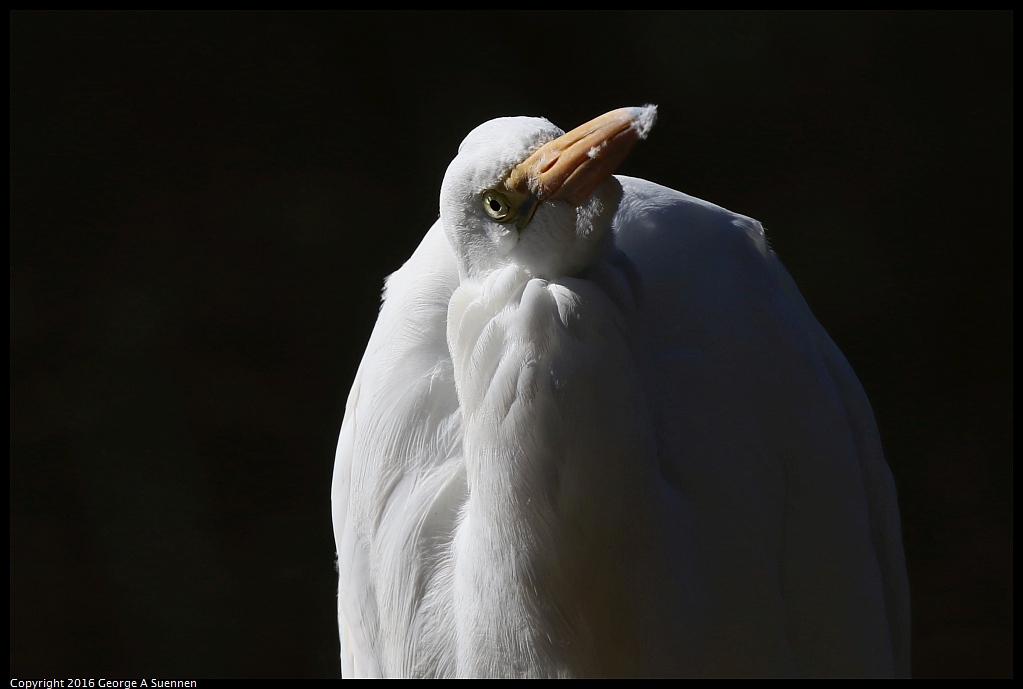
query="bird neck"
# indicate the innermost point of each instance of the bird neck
(526, 539)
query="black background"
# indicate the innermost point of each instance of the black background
(204, 206)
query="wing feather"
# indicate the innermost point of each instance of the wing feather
(397, 480)
(761, 422)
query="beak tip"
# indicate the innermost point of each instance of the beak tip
(643, 119)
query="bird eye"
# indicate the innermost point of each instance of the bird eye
(497, 206)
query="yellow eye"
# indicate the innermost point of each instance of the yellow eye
(497, 206)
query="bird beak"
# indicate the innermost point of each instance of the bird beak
(573, 165)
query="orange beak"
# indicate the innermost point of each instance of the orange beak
(573, 165)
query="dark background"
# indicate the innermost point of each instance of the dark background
(204, 206)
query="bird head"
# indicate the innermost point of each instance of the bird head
(521, 191)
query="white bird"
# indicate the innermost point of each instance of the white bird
(598, 432)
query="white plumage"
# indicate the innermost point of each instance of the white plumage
(605, 436)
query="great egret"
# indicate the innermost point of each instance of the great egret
(598, 432)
